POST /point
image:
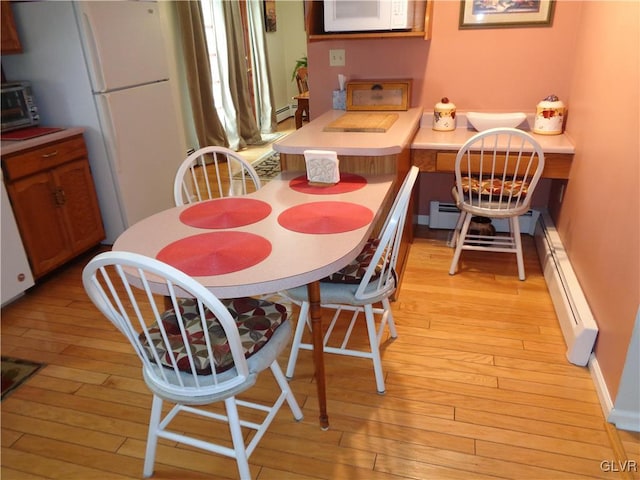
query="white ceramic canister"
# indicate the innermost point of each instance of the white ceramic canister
(549, 116)
(444, 116)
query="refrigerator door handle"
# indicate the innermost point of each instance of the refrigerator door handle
(95, 69)
(110, 130)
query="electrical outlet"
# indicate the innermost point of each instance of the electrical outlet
(336, 58)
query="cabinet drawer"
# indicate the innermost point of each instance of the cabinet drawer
(43, 158)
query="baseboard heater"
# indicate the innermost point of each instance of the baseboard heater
(574, 315)
(445, 216)
(283, 113)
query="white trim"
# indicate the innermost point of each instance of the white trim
(601, 387)
(622, 419)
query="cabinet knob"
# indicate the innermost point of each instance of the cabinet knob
(49, 155)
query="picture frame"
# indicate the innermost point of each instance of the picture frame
(270, 18)
(505, 13)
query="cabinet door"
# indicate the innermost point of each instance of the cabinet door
(38, 207)
(80, 210)
(10, 40)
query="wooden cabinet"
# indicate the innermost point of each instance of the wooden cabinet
(314, 24)
(10, 41)
(54, 201)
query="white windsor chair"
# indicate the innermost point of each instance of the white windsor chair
(369, 280)
(200, 351)
(496, 173)
(213, 172)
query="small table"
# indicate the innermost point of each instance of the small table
(295, 233)
(303, 107)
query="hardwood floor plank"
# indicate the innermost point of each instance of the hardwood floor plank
(52, 468)
(11, 474)
(95, 463)
(60, 431)
(424, 462)
(536, 427)
(548, 460)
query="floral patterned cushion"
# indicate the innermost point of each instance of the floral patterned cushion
(354, 272)
(494, 187)
(256, 321)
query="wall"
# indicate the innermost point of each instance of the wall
(601, 231)
(589, 58)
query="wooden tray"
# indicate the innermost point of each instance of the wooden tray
(362, 122)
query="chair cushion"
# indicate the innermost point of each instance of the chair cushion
(256, 319)
(354, 272)
(494, 187)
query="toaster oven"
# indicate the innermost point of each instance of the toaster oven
(18, 106)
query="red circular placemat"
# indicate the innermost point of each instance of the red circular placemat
(349, 182)
(325, 217)
(216, 253)
(225, 213)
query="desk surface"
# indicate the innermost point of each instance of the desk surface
(295, 258)
(427, 138)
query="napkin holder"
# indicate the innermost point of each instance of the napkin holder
(322, 167)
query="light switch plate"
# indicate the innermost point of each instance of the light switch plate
(336, 58)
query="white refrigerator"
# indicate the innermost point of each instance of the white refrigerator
(103, 65)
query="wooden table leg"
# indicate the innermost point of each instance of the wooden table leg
(298, 115)
(313, 291)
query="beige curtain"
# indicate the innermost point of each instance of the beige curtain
(247, 127)
(196, 58)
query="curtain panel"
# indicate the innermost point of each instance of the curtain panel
(209, 129)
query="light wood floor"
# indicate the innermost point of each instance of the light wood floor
(477, 387)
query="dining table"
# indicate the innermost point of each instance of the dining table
(286, 234)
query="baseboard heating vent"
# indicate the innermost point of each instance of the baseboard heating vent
(283, 113)
(445, 216)
(574, 315)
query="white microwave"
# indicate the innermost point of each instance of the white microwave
(369, 15)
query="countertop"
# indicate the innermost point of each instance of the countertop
(12, 146)
(428, 139)
(312, 136)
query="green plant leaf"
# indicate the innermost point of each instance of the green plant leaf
(301, 62)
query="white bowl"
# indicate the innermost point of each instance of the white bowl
(485, 121)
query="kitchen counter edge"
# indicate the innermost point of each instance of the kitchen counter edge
(8, 147)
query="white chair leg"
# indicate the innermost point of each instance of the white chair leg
(297, 338)
(152, 436)
(391, 324)
(515, 231)
(238, 441)
(460, 242)
(375, 350)
(285, 388)
(456, 231)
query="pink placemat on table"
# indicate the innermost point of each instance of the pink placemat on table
(349, 182)
(225, 213)
(216, 253)
(325, 217)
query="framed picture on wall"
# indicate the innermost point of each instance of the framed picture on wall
(270, 20)
(505, 13)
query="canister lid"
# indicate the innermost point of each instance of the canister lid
(445, 105)
(551, 101)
